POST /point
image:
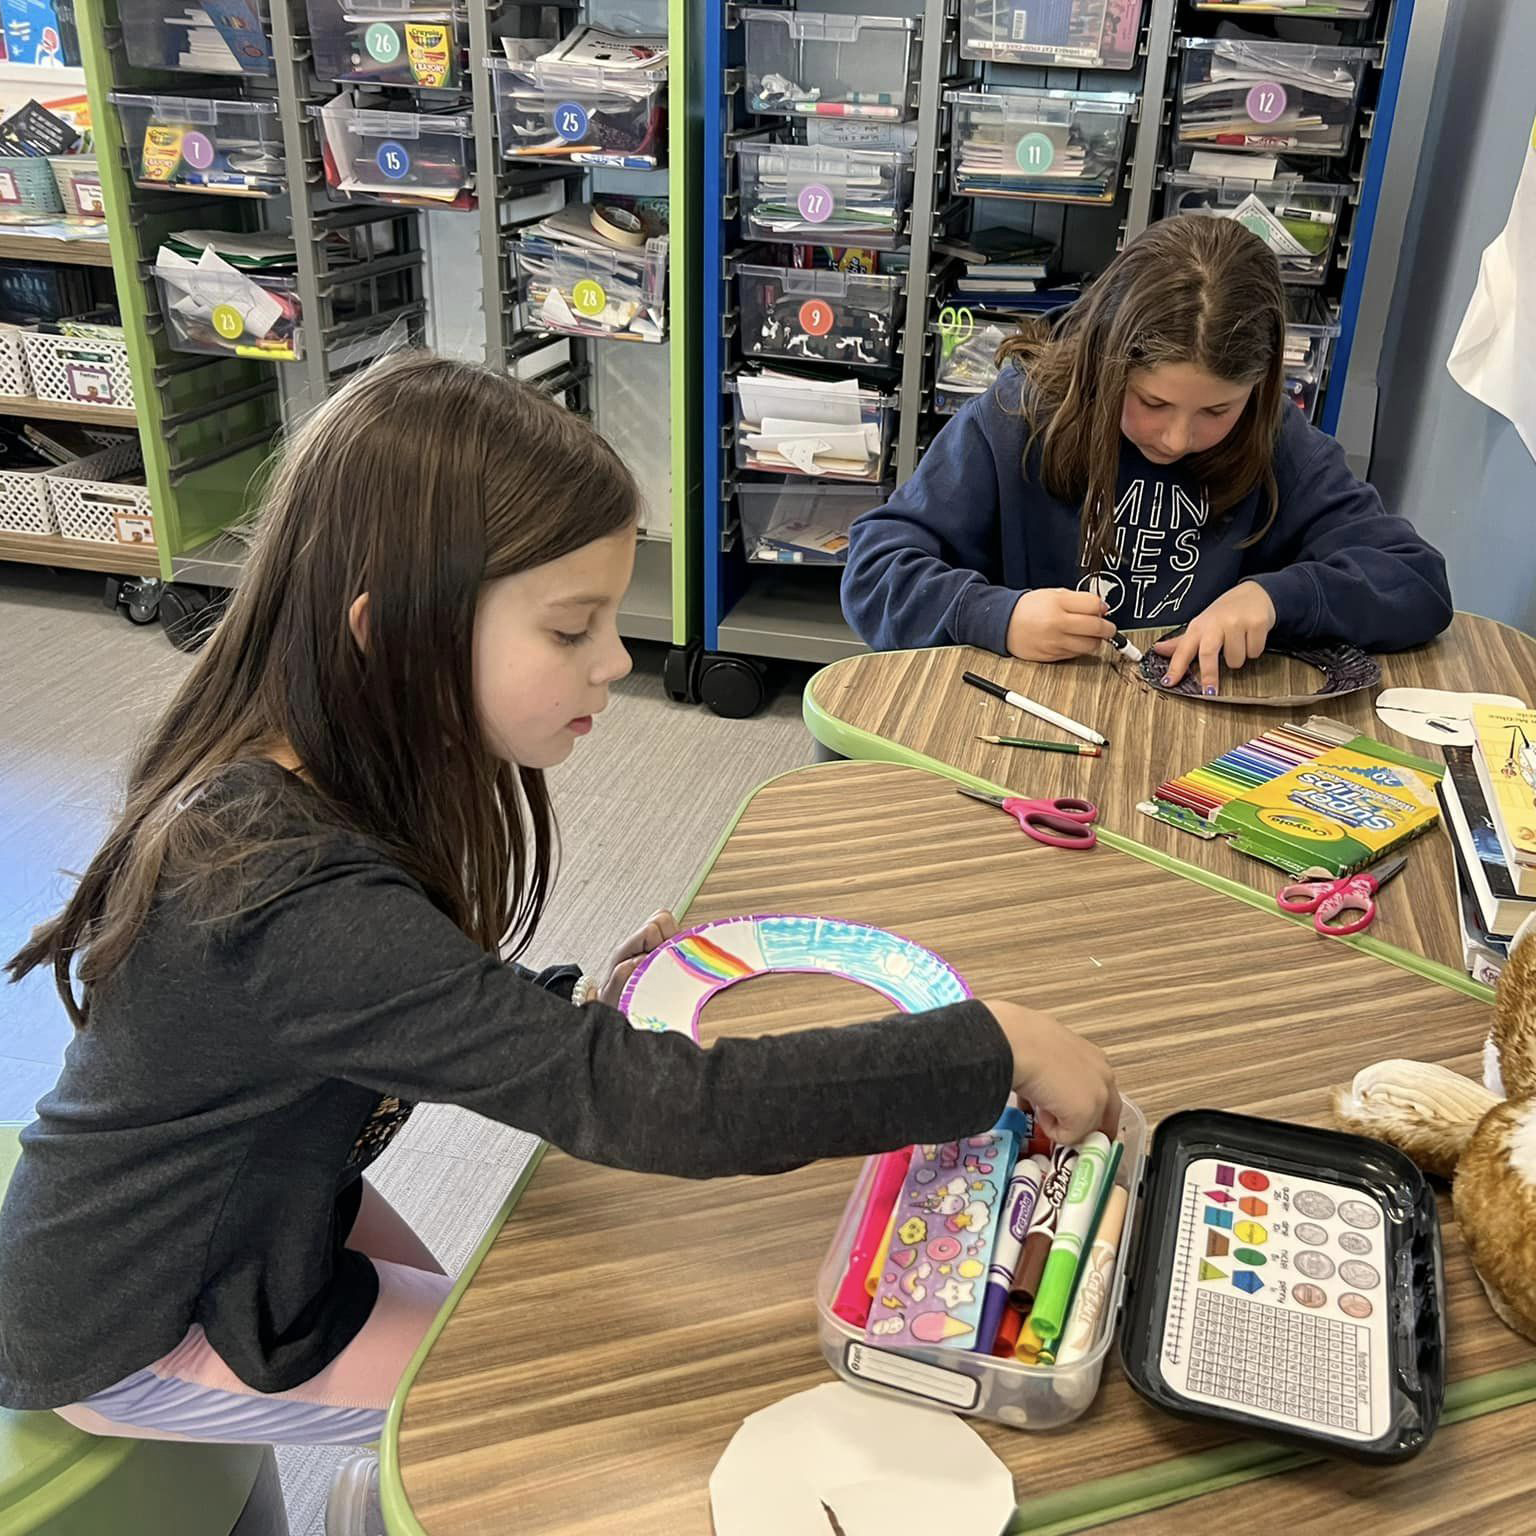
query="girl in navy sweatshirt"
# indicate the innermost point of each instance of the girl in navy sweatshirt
(1136, 464)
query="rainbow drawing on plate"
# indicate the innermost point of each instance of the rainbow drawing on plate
(672, 984)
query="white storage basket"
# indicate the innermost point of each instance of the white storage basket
(15, 376)
(82, 370)
(88, 504)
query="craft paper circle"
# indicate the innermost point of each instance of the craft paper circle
(1345, 669)
(815, 203)
(228, 321)
(382, 42)
(571, 121)
(1266, 101)
(588, 297)
(670, 987)
(1436, 715)
(1035, 152)
(393, 159)
(816, 317)
(197, 150)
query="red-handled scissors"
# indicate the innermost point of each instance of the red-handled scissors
(1060, 823)
(1353, 897)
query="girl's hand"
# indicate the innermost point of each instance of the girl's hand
(1065, 1078)
(1235, 628)
(1053, 623)
(661, 927)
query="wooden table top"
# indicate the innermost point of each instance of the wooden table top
(1475, 1478)
(621, 1327)
(917, 701)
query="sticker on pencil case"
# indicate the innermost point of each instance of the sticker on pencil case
(673, 983)
(1287, 1319)
(933, 1284)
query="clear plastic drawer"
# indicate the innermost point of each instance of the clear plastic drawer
(418, 47)
(1066, 34)
(821, 64)
(825, 428)
(801, 194)
(228, 146)
(834, 317)
(799, 522)
(423, 159)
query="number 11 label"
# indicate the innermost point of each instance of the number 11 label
(1035, 152)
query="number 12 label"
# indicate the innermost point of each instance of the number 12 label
(1266, 101)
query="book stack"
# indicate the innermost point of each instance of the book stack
(1008, 269)
(1489, 795)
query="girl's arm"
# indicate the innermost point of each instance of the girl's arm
(351, 973)
(925, 568)
(1336, 565)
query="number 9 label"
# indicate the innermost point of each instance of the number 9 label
(815, 203)
(571, 121)
(816, 317)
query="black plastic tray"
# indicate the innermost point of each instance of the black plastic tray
(1415, 1284)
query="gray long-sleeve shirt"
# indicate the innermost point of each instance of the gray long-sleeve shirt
(197, 1161)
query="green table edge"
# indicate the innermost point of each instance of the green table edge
(854, 742)
(1075, 1509)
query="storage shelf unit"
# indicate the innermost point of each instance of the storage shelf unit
(1052, 108)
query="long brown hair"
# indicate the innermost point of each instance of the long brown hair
(1192, 289)
(417, 482)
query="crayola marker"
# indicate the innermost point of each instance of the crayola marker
(1018, 1211)
(1074, 1227)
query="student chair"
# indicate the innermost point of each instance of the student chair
(55, 1480)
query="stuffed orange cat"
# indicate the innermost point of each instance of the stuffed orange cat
(1483, 1138)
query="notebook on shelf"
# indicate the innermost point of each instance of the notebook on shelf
(1505, 755)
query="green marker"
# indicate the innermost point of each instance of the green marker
(1074, 1227)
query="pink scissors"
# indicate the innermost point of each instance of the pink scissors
(1327, 898)
(1060, 823)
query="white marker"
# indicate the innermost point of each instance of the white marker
(1039, 711)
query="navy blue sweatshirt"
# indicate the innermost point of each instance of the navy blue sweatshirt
(945, 560)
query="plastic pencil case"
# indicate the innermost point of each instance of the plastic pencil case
(821, 64)
(820, 450)
(983, 1386)
(600, 294)
(93, 498)
(800, 194)
(210, 312)
(799, 522)
(1039, 145)
(422, 158)
(1309, 337)
(205, 37)
(228, 145)
(377, 42)
(582, 115)
(849, 318)
(1298, 220)
(78, 179)
(27, 185)
(1267, 97)
(89, 369)
(1082, 34)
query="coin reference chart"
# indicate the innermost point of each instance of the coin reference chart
(1279, 1300)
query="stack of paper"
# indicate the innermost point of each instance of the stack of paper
(796, 425)
(1083, 163)
(204, 299)
(205, 49)
(1317, 110)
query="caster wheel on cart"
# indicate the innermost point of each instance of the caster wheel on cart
(141, 609)
(680, 673)
(189, 615)
(734, 687)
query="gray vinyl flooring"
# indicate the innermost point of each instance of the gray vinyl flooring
(640, 806)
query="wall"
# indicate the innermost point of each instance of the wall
(1456, 468)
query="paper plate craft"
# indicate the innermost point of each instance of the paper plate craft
(1435, 714)
(670, 987)
(1345, 669)
(872, 1466)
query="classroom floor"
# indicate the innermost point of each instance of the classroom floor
(77, 684)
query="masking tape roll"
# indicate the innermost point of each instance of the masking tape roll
(619, 226)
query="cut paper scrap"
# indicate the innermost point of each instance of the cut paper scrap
(875, 1465)
(1436, 714)
(1345, 669)
(1491, 356)
(670, 987)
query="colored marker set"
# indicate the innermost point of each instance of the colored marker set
(1280, 1279)
(1305, 796)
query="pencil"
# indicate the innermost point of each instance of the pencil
(1070, 747)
